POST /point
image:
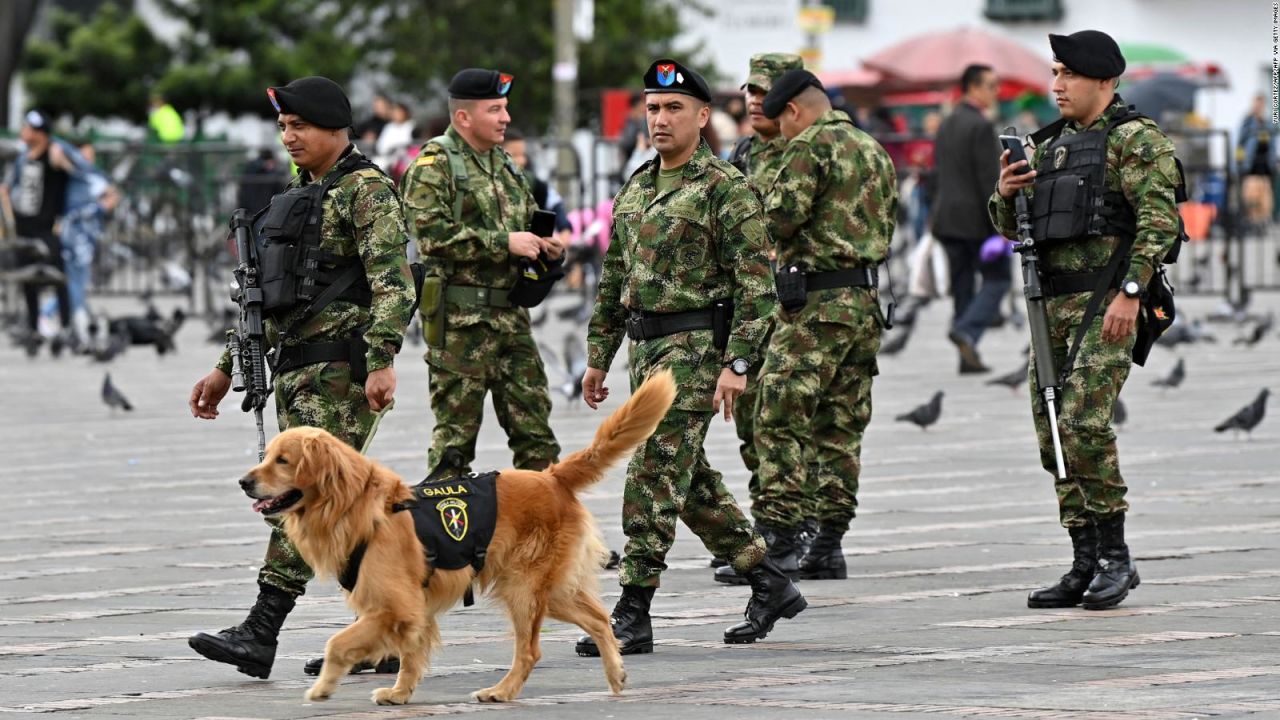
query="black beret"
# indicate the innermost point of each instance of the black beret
(791, 84)
(669, 76)
(1089, 52)
(318, 100)
(480, 84)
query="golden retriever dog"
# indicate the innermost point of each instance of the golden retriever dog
(541, 562)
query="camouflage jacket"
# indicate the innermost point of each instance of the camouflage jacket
(835, 202)
(700, 242)
(1140, 164)
(362, 218)
(762, 161)
(472, 250)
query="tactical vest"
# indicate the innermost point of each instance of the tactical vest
(1071, 200)
(294, 268)
(536, 277)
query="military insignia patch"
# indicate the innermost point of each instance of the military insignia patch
(426, 159)
(1059, 158)
(1161, 314)
(453, 515)
(271, 95)
(504, 83)
(666, 74)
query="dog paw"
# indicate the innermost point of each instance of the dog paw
(389, 696)
(492, 695)
(317, 693)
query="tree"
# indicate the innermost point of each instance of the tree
(104, 67)
(16, 17)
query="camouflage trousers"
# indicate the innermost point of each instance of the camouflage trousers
(1093, 487)
(477, 360)
(815, 404)
(324, 396)
(745, 410)
(669, 478)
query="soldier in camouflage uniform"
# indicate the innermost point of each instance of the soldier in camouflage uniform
(1140, 178)
(689, 243)
(362, 224)
(475, 232)
(831, 214)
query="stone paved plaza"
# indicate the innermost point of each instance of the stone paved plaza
(121, 534)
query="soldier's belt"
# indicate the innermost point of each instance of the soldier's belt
(647, 326)
(350, 351)
(1077, 282)
(850, 277)
(477, 295)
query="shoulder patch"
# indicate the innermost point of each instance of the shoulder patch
(426, 159)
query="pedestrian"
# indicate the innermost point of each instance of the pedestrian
(1256, 151)
(37, 188)
(687, 280)
(1099, 147)
(831, 215)
(90, 200)
(966, 159)
(469, 209)
(334, 364)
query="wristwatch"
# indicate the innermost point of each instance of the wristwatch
(738, 366)
(1131, 289)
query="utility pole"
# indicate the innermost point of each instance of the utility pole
(565, 75)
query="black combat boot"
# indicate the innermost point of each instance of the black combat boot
(630, 622)
(825, 559)
(386, 666)
(783, 549)
(251, 645)
(1116, 572)
(773, 596)
(1070, 587)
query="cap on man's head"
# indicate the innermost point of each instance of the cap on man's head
(669, 76)
(768, 67)
(1091, 53)
(318, 100)
(791, 84)
(480, 84)
(36, 120)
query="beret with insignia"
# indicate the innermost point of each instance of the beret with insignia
(1089, 52)
(767, 67)
(480, 84)
(791, 84)
(318, 100)
(669, 76)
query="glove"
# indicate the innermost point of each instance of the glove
(995, 248)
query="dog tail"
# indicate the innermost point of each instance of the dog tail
(626, 428)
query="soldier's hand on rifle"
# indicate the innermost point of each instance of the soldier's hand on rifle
(593, 390)
(728, 388)
(1013, 178)
(380, 387)
(1121, 319)
(207, 393)
(524, 244)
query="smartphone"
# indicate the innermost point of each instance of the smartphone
(1016, 152)
(543, 223)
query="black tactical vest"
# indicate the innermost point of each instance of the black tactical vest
(1071, 200)
(294, 268)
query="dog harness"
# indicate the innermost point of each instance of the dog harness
(454, 518)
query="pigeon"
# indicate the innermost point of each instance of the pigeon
(1014, 379)
(114, 345)
(1259, 331)
(926, 414)
(1119, 415)
(1248, 417)
(897, 343)
(112, 397)
(1188, 333)
(1175, 376)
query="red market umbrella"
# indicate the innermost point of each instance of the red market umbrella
(935, 60)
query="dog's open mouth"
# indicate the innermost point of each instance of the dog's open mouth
(277, 504)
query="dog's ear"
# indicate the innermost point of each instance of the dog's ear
(324, 464)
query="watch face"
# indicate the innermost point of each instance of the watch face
(740, 366)
(1131, 288)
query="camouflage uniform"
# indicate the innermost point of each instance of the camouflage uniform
(1140, 163)
(486, 348)
(761, 164)
(833, 207)
(701, 241)
(362, 217)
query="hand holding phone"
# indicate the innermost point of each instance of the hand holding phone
(1013, 179)
(1016, 152)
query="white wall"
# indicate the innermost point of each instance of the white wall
(1235, 34)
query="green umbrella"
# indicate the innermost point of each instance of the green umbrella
(1148, 54)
